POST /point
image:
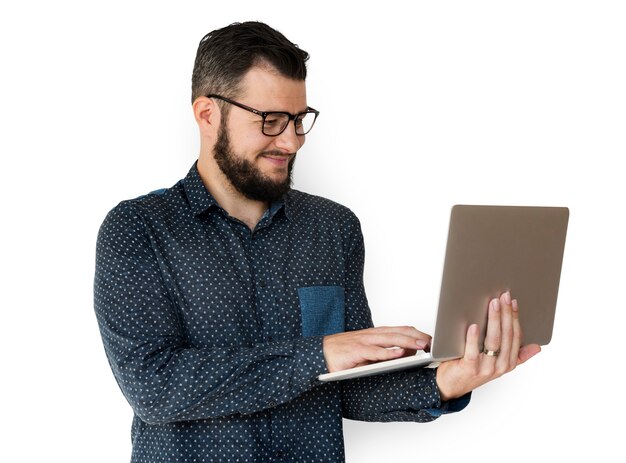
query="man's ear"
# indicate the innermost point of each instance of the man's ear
(207, 114)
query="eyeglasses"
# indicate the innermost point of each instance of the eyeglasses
(275, 122)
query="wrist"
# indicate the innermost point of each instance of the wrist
(446, 391)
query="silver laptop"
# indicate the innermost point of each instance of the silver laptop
(491, 249)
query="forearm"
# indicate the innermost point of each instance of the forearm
(398, 396)
(167, 383)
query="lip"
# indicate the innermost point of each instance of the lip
(277, 160)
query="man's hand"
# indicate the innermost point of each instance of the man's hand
(357, 348)
(504, 335)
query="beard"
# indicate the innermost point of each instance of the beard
(245, 176)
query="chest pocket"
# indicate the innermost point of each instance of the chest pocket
(322, 309)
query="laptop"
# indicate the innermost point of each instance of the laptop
(490, 249)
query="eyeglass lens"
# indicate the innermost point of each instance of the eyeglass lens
(275, 123)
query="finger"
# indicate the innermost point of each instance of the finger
(385, 354)
(506, 327)
(394, 340)
(517, 335)
(378, 354)
(493, 336)
(472, 350)
(405, 330)
(526, 352)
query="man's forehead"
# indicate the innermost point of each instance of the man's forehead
(270, 90)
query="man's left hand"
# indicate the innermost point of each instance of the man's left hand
(502, 352)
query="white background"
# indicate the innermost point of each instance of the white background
(489, 102)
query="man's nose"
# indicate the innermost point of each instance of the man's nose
(288, 140)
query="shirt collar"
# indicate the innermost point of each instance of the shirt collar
(200, 200)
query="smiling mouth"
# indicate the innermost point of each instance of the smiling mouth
(278, 160)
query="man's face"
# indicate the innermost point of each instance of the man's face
(258, 166)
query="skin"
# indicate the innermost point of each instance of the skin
(458, 377)
(265, 89)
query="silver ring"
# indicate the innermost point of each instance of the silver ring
(491, 353)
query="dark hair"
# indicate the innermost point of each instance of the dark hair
(226, 54)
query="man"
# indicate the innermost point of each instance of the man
(222, 299)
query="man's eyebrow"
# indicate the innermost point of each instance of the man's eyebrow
(287, 112)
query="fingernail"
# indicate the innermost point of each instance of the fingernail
(495, 304)
(514, 303)
(507, 297)
(421, 343)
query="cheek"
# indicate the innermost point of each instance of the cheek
(250, 145)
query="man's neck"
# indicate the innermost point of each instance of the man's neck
(232, 201)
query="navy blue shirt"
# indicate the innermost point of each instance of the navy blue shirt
(214, 332)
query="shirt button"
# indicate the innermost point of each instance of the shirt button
(428, 390)
(279, 454)
(272, 404)
(262, 283)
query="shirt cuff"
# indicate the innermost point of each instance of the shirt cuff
(310, 361)
(450, 406)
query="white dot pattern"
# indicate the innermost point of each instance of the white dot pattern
(202, 326)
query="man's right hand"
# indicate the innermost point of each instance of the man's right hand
(356, 348)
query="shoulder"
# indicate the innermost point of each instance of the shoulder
(148, 208)
(322, 212)
(311, 205)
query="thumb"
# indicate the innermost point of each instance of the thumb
(527, 352)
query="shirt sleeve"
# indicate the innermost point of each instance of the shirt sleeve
(408, 395)
(162, 377)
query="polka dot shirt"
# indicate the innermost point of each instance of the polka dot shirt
(214, 332)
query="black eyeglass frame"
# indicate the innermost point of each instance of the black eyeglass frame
(264, 114)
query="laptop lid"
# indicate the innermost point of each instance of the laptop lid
(491, 249)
